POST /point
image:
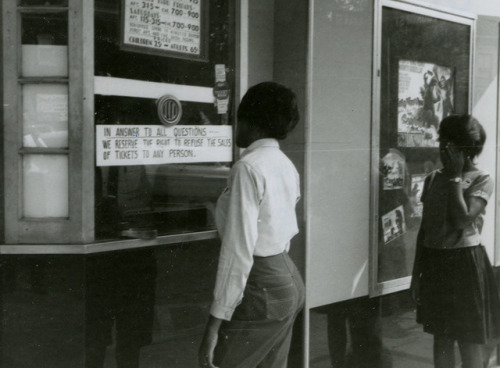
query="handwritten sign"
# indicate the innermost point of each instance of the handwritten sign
(172, 27)
(123, 145)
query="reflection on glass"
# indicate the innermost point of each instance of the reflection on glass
(399, 220)
(42, 306)
(45, 115)
(166, 198)
(44, 45)
(45, 186)
(419, 87)
(148, 198)
(351, 334)
(365, 332)
(120, 291)
(145, 307)
(188, 186)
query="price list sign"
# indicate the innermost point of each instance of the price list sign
(175, 28)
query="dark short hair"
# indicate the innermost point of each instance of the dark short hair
(270, 107)
(465, 132)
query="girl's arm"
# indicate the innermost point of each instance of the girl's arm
(463, 210)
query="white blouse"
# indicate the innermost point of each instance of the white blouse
(255, 216)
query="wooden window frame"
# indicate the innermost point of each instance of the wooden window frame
(78, 227)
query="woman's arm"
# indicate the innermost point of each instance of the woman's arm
(236, 255)
(207, 347)
(238, 241)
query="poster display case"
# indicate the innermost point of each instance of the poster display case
(422, 73)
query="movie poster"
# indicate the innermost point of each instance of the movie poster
(425, 97)
(393, 224)
(393, 170)
(417, 186)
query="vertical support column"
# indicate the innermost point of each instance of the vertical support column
(2, 122)
(9, 118)
(82, 142)
(242, 47)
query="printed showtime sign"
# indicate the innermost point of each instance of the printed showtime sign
(165, 27)
(125, 145)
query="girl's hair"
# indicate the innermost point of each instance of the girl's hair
(270, 107)
(465, 132)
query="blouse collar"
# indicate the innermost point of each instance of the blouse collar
(264, 142)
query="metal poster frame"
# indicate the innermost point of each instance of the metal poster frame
(377, 287)
(151, 50)
(496, 251)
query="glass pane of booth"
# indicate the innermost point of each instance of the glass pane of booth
(424, 78)
(163, 115)
(45, 115)
(45, 186)
(44, 45)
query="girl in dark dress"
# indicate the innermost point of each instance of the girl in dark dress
(453, 282)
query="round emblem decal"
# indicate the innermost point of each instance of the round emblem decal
(169, 110)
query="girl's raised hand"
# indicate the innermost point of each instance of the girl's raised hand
(453, 160)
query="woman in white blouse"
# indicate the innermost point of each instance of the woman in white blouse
(258, 292)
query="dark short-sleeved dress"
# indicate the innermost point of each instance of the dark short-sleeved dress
(458, 291)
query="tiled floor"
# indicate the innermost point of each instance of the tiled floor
(405, 345)
(58, 318)
(405, 342)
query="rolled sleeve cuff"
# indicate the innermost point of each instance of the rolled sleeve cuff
(221, 311)
(481, 194)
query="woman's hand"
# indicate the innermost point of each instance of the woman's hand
(208, 344)
(206, 353)
(453, 160)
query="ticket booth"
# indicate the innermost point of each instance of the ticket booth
(118, 123)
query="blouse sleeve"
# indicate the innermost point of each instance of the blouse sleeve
(238, 240)
(481, 187)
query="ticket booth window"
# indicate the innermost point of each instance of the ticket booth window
(164, 106)
(117, 117)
